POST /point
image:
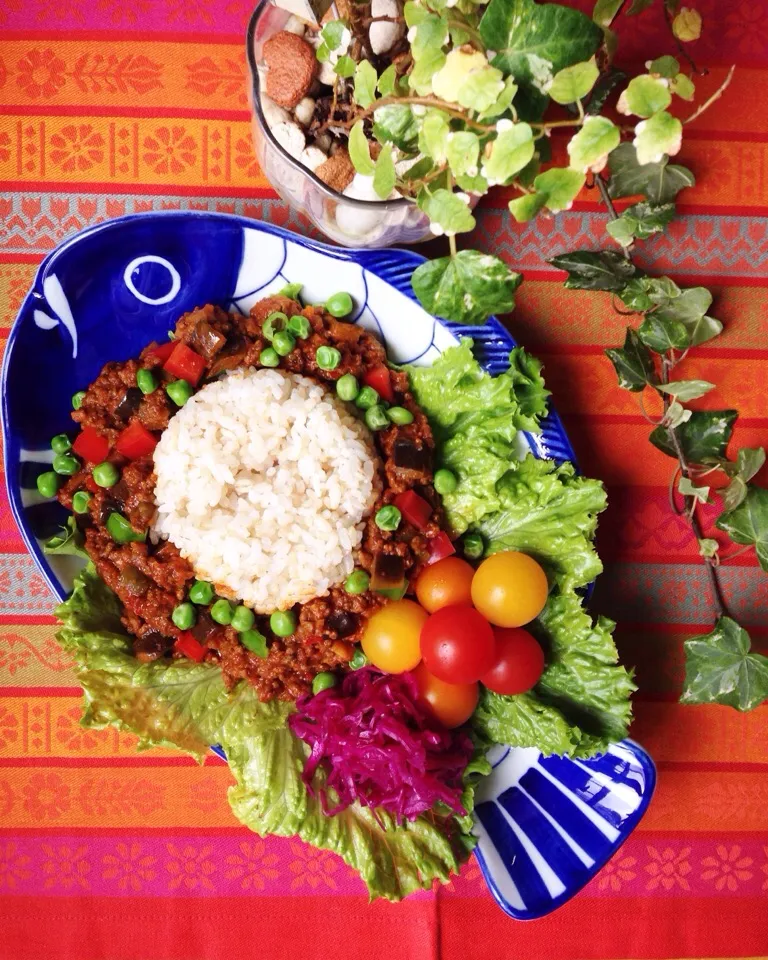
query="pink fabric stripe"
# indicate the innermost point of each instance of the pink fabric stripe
(242, 864)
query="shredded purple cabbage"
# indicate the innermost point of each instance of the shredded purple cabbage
(378, 744)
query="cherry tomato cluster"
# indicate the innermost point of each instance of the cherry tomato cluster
(464, 630)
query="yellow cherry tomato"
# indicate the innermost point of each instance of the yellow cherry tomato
(391, 637)
(509, 589)
(445, 584)
(452, 703)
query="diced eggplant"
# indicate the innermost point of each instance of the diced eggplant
(129, 404)
(388, 572)
(134, 581)
(343, 623)
(205, 340)
(410, 457)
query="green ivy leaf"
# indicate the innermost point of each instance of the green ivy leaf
(622, 230)
(665, 66)
(641, 220)
(503, 101)
(686, 390)
(689, 308)
(594, 270)
(535, 41)
(687, 25)
(359, 151)
(447, 210)
(662, 334)
(387, 81)
(589, 149)
(419, 169)
(638, 6)
(677, 414)
(573, 83)
(561, 185)
(510, 152)
(431, 36)
(333, 32)
(462, 152)
(645, 96)
(635, 297)
(526, 207)
(605, 11)
(467, 288)
(734, 494)
(708, 547)
(658, 182)
(705, 434)
(395, 123)
(366, 79)
(748, 523)
(660, 135)
(384, 174)
(603, 89)
(720, 668)
(459, 65)
(477, 184)
(689, 489)
(420, 78)
(481, 89)
(633, 363)
(749, 461)
(414, 13)
(433, 135)
(683, 86)
(345, 67)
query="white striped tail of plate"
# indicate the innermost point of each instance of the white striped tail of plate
(547, 825)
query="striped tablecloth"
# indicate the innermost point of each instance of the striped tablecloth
(114, 106)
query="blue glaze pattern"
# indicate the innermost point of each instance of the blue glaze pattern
(104, 294)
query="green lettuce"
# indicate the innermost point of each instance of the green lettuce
(186, 705)
(543, 509)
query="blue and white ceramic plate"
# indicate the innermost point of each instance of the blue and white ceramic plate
(545, 825)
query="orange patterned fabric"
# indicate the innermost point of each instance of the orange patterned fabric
(113, 106)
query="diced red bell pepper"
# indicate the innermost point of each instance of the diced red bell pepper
(91, 446)
(91, 485)
(163, 351)
(379, 378)
(440, 547)
(187, 645)
(184, 363)
(414, 508)
(135, 441)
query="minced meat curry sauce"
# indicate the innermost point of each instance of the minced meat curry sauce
(124, 411)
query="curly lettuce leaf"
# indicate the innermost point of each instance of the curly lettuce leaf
(186, 705)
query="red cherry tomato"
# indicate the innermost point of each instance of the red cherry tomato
(519, 662)
(445, 584)
(135, 441)
(90, 445)
(187, 645)
(457, 644)
(379, 378)
(184, 363)
(414, 508)
(440, 547)
(452, 703)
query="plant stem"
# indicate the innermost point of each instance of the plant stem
(454, 111)
(715, 96)
(606, 198)
(452, 243)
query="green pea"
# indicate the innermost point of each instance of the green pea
(61, 443)
(221, 612)
(269, 358)
(121, 531)
(184, 616)
(242, 619)
(400, 416)
(299, 326)
(327, 358)
(146, 381)
(368, 397)
(275, 322)
(283, 343)
(445, 481)
(201, 593)
(376, 418)
(179, 391)
(80, 501)
(473, 546)
(387, 518)
(358, 660)
(77, 399)
(282, 623)
(66, 464)
(48, 484)
(339, 305)
(105, 474)
(357, 582)
(291, 290)
(255, 642)
(347, 387)
(323, 681)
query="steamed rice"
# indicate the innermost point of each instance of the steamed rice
(264, 481)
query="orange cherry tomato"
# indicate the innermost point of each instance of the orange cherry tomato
(452, 703)
(509, 589)
(445, 583)
(391, 640)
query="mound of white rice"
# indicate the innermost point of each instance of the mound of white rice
(264, 480)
